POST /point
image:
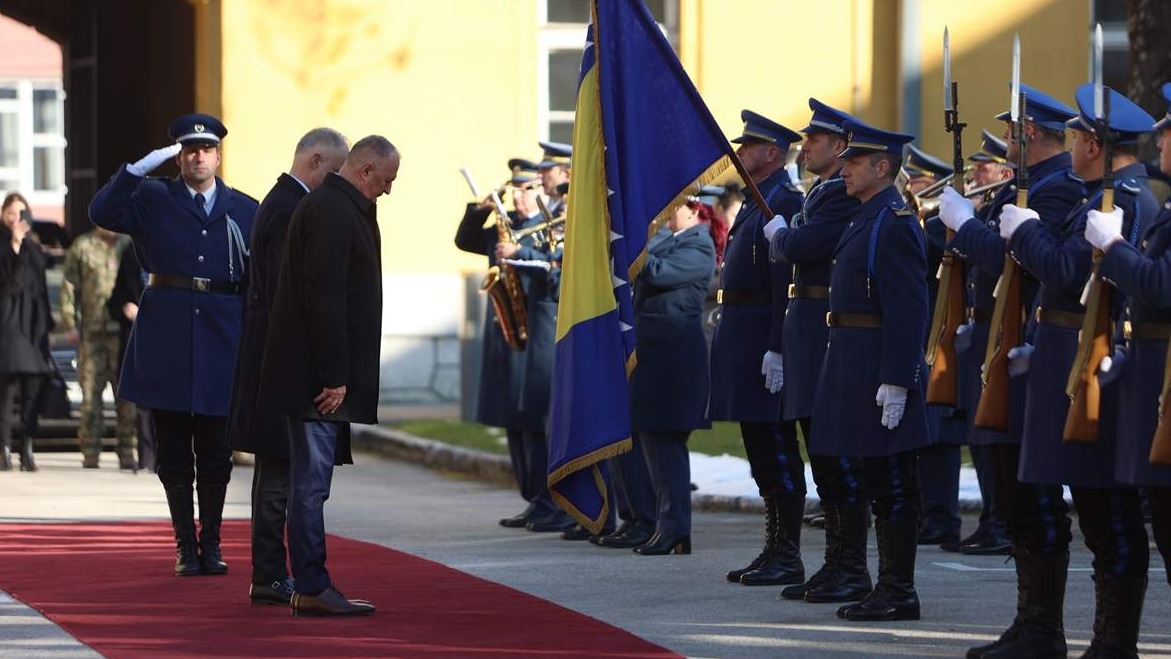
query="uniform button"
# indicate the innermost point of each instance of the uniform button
(200, 259)
(196, 311)
(203, 233)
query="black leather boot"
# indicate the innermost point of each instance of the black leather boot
(182, 505)
(27, 463)
(1038, 631)
(770, 516)
(850, 581)
(833, 546)
(1117, 612)
(782, 564)
(894, 598)
(211, 512)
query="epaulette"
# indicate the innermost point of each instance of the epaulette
(902, 211)
(1130, 185)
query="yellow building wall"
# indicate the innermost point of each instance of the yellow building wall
(450, 83)
(1054, 59)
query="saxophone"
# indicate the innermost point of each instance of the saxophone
(502, 283)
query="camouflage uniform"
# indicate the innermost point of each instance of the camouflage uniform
(91, 266)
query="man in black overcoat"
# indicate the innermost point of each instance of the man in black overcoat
(321, 355)
(321, 151)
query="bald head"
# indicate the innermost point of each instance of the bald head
(372, 166)
(318, 152)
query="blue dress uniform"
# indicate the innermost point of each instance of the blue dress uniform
(752, 300)
(808, 246)
(1039, 536)
(182, 350)
(1108, 515)
(669, 387)
(878, 318)
(939, 463)
(1143, 277)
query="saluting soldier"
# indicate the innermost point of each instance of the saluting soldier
(191, 234)
(1039, 540)
(1143, 273)
(90, 269)
(746, 370)
(878, 317)
(939, 463)
(1109, 515)
(807, 244)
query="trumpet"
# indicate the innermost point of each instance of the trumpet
(521, 233)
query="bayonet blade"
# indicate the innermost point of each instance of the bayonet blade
(946, 71)
(1014, 108)
(1099, 91)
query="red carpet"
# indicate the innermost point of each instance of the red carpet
(110, 586)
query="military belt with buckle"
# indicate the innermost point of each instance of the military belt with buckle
(1146, 331)
(797, 291)
(1066, 319)
(744, 298)
(196, 284)
(860, 320)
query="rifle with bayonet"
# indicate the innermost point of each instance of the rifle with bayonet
(1005, 329)
(949, 303)
(1095, 339)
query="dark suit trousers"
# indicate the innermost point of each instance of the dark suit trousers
(190, 444)
(637, 503)
(147, 459)
(670, 470)
(516, 454)
(1160, 500)
(312, 447)
(939, 475)
(990, 516)
(774, 458)
(536, 451)
(1035, 516)
(270, 494)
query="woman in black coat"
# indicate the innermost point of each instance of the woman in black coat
(25, 322)
(669, 386)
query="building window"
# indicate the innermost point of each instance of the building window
(1115, 43)
(32, 140)
(559, 45)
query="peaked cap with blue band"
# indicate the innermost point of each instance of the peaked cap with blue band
(556, 154)
(758, 128)
(920, 163)
(992, 149)
(1165, 122)
(1042, 109)
(864, 139)
(825, 119)
(1128, 121)
(523, 171)
(709, 195)
(196, 127)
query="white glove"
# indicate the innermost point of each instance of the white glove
(1012, 217)
(1018, 360)
(773, 370)
(963, 339)
(893, 401)
(1110, 368)
(1104, 229)
(773, 226)
(534, 263)
(955, 209)
(152, 160)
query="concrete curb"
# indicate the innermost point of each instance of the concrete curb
(497, 469)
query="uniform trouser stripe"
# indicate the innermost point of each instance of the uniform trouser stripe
(1111, 521)
(838, 479)
(774, 457)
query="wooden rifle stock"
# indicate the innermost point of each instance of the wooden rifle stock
(941, 353)
(1161, 444)
(1094, 344)
(992, 411)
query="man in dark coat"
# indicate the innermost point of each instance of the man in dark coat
(190, 234)
(321, 151)
(122, 307)
(321, 355)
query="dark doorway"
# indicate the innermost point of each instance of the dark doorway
(129, 69)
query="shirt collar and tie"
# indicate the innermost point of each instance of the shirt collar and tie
(205, 200)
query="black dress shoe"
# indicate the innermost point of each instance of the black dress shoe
(552, 524)
(519, 520)
(937, 536)
(881, 605)
(577, 532)
(816, 520)
(992, 544)
(275, 592)
(328, 602)
(636, 535)
(661, 546)
(958, 545)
